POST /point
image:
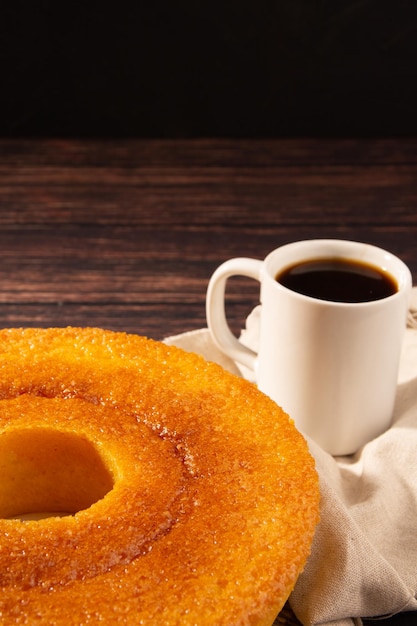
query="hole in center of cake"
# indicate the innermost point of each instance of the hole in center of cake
(45, 472)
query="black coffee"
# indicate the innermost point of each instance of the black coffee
(338, 280)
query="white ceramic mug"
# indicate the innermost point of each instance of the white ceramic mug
(332, 366)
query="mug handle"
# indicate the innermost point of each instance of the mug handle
(215, 308)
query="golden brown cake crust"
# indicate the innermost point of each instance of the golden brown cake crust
(194, 498)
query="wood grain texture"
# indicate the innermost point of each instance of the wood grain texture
(126, 233)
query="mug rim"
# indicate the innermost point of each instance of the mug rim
(344, 249)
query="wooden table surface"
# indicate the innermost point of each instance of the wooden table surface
(124, 234)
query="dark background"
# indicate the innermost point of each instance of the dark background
(186, 68)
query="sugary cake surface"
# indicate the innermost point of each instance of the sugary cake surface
(186, 496)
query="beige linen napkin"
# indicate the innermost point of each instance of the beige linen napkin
(364, 555)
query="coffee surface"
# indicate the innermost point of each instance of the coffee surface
(338, 280)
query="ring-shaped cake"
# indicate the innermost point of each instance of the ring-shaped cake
(140, 484)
